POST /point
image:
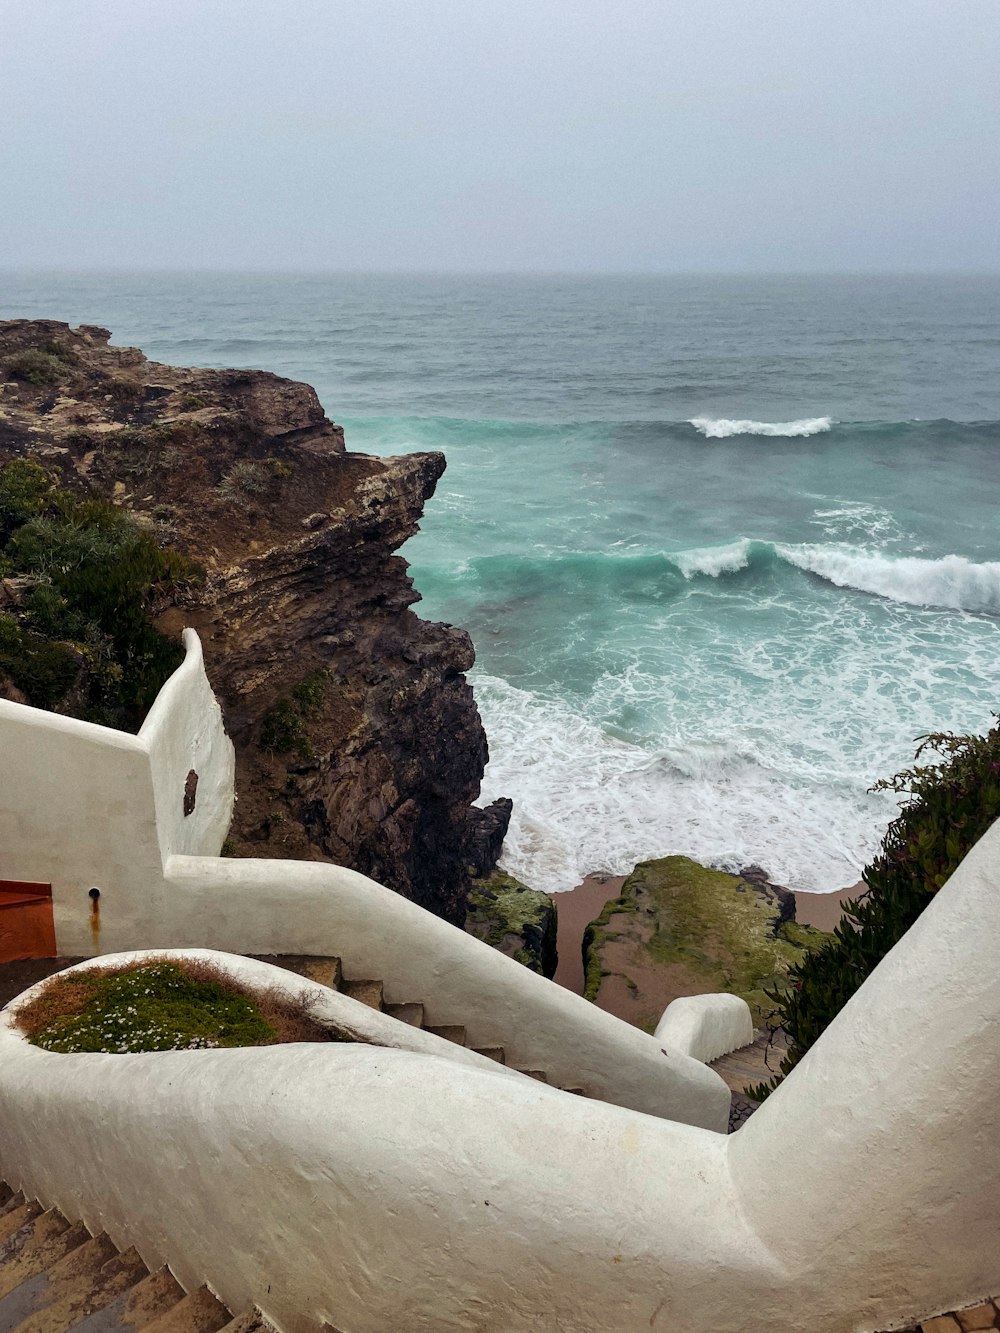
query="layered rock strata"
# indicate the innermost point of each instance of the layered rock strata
(357, 735)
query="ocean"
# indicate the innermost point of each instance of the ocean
(726, 546)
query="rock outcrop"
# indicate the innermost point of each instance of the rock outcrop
(357, 735)
(679, 928)
(519, 921)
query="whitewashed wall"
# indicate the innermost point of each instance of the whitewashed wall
(376, 1189)
(184, 733)
(256, 906)
(85, 807)
(121, 828)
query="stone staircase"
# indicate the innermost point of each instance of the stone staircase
(329, 972)
(747, 1066)
(56, 1276)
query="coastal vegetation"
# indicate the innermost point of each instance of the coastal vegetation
(284, 727)
(80, 578)
(165, 1005)
(953, 800)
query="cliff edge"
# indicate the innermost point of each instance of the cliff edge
(356, 732)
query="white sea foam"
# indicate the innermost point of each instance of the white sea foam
(859, 520)
(585, 800)
(720, 428)
(952, 581)
(711, 561)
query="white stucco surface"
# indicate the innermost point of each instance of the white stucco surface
(97, 808)
(183, 732)
(412, 1184)
(377, 1188)
(88, 807)
(875, 1164)
(705, 1026)
(257, 906)
(386, 1188)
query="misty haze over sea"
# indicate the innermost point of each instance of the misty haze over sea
(726, 546)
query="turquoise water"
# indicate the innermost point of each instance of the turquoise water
(726, 547)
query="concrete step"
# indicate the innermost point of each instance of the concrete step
(407, 1013)
(451, 1032)
(368, 992)
(250, 1322)
(201, 1312)
(492, 1053)
(87, 1280)
(36, 1247)
(137, 1308)
(15, 1201)
(325, 971)
(17, 1214)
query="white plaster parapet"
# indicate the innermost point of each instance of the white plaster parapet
(87, 807)
(377, 1188)
(706, 1027)
(306, 907)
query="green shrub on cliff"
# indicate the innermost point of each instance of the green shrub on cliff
(94, 574)
(38, 365)
(953, 801)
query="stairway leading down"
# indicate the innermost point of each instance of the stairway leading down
(329, 972)
(56, 1276)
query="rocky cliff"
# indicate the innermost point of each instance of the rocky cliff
(357, 735)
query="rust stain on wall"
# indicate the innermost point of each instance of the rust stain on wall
(95, 919)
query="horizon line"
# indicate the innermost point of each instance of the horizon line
(235, 271)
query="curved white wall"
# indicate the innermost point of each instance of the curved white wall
(705, 1026)
(256, 906)
(87, 807)
(887, 1179)
(378, 1188)
(184, 733)
(93, 807)
(387, 1188)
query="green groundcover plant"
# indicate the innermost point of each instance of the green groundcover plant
(954, 799)
(162, 1005)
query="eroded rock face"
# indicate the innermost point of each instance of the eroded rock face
(357, 735)
(519, 921)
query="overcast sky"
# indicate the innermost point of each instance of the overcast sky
(496, 135)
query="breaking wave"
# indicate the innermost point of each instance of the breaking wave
(952, 581)
(721, 428)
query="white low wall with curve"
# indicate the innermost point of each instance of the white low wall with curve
(86, 807)
(706, 1026)
(374, 1188)
(257, 906)
(90, 807)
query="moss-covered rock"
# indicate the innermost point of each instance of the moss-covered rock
(679, 928)
(519, 921)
